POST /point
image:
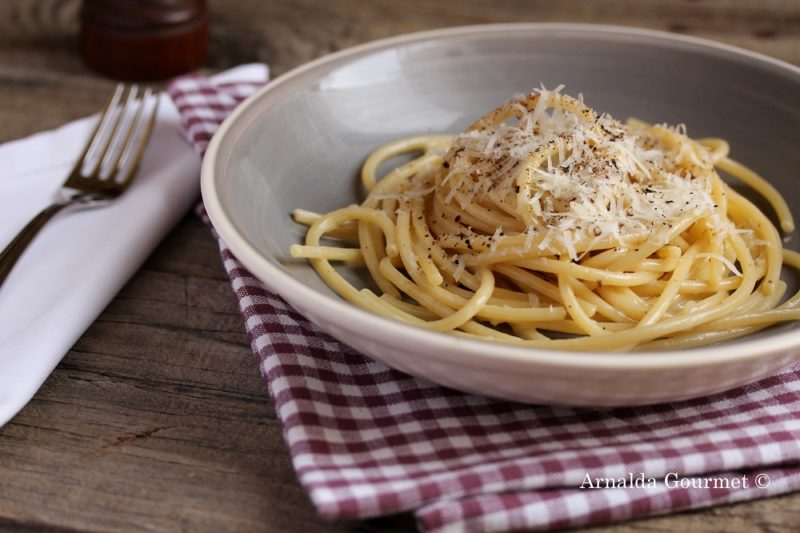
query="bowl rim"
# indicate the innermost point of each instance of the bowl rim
(344, 315)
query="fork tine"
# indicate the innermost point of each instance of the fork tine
(126, 135)
(133, 166)
(107, 142)
(104, 113)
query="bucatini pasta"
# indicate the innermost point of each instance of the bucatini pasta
(549, 225)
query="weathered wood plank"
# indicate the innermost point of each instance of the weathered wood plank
(157, 419)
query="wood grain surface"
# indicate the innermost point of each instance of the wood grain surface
(157, 418)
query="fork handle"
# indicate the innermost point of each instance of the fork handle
(11, 254)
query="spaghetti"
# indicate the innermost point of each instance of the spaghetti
(547, 224)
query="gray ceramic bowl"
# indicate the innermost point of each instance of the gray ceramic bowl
(300, 141)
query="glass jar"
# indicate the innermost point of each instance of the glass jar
(144, 40)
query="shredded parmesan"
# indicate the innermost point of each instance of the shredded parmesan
(586, 176)
(459, 270)
(722, 259)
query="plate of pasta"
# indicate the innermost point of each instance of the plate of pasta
(549, 213)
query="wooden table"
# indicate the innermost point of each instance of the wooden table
(157, 418)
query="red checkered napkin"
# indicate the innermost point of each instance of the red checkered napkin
(367, 440)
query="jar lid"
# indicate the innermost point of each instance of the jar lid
(142, 14)
(144, 40)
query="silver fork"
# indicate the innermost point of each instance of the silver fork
(105, 168)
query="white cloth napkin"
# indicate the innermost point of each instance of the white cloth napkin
(80, 260)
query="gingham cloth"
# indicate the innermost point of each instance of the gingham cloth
(367, 440)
